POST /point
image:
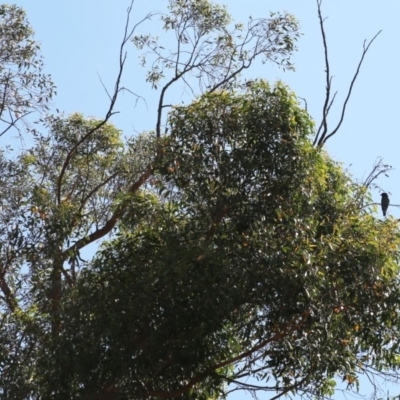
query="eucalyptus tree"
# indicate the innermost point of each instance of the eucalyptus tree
(232, 246)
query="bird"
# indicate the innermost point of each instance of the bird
(384, 203)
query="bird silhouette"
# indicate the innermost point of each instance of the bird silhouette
(385, 203)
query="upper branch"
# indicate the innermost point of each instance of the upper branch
(113, 99)
(323, 133)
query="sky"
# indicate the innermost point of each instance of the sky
(80, 44)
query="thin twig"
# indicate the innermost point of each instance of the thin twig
(104, 87)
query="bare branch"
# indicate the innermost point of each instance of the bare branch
(365, 50)
(104, 87)
(305, 103)
(14, 121)
(161, 103)
(135, 94)
(322, 134)
(324, 122)
(378, 169)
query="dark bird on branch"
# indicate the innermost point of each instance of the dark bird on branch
(384, 203)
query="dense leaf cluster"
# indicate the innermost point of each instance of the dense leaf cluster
(236, 249)
(257, 255)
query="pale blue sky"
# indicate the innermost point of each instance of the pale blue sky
(80, 39)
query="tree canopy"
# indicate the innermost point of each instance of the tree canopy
(233, 245)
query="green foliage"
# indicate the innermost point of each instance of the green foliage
(259, 254)
(46, 219)
(213, 49)
(236, 248)
(24, 87)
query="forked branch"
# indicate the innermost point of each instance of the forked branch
(323, 132)
(378, 169)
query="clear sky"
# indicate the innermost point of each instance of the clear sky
(80, 40)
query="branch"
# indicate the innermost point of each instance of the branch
(322, 134)
(289, 388)
(3, 101)
(104, 87)
(161, 102)
(324, 123)
(274, 338)
(378, 169)
(211, 370)
(58, 267)
(217, 220)
(8, 296)
(230, 77)
(113, 99)
(324, 139)
(95, 189)
(13, 121)
(99, 233)
(378, 204)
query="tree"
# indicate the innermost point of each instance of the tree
(24, 88)
(236, 248)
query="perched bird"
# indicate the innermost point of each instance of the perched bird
(384, 203)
